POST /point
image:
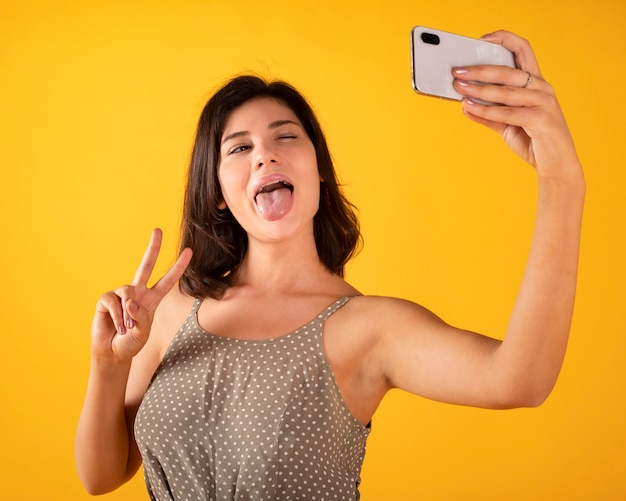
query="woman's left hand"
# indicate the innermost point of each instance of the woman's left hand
(528, 115)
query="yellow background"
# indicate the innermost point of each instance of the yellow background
(98, 102)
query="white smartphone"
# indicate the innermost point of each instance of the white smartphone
(434, 53)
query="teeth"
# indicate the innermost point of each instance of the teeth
(274, 185)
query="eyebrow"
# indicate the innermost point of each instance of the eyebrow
(273, 125)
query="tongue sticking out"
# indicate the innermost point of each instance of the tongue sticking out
(274, 200)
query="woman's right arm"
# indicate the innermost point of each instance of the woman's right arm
(123, 358)
(104, 450)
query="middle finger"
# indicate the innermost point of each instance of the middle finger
(498, 75)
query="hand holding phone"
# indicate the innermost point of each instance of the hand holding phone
(434, 53)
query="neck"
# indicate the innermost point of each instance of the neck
(281, 267)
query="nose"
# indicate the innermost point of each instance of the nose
(265, 155)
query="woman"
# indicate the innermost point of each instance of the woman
(251, 398)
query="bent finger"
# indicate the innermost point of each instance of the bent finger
(500, 76)
(499, 117)
(138, 335)
(126, 293)
(508, 95)
(109, 311)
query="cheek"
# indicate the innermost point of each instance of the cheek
(224, 188)
(227, 181)
(233, 186)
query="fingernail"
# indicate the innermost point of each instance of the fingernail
(486, 35)
(460, 71)
(467, 100)
(130, 323)
(463, 83)
(121, 329)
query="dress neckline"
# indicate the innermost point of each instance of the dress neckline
(320, 318)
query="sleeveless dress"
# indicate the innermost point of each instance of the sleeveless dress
(232, 420)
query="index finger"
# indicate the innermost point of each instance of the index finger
(142, 275)
(524, 55)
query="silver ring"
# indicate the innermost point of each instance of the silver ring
(529, 80)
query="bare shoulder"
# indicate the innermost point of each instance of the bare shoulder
(377, 324)
(363, 329)
(382, 313)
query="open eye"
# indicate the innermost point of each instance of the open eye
(238, 149)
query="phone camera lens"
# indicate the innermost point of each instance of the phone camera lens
(430, 38)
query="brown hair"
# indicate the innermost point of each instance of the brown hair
(218, 242)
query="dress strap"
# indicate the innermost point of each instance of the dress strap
(323, 316)
(195, 307)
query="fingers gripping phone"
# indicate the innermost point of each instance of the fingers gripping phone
(434, 53)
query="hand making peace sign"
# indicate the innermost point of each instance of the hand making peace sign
(123, 317)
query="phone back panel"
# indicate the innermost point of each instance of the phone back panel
(432, 63)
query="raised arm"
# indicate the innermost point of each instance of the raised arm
(422, 354)
(106, 454)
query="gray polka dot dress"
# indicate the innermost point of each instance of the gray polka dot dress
(231, 419)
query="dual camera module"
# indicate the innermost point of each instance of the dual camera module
(430, 38)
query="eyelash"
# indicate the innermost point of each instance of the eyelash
(244, 147)
(238, 149)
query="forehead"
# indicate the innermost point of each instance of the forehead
(258, 112)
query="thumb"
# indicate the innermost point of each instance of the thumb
(139, 320)
(138, 323)
(136, 313)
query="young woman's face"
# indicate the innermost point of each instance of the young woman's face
(268, 170)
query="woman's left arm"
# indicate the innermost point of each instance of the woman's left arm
(414, 349)
(531, 122)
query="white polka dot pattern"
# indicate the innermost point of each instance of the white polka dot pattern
(231, 419)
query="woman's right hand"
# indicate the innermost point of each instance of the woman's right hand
(123, 317)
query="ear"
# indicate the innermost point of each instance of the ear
(222, 205)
